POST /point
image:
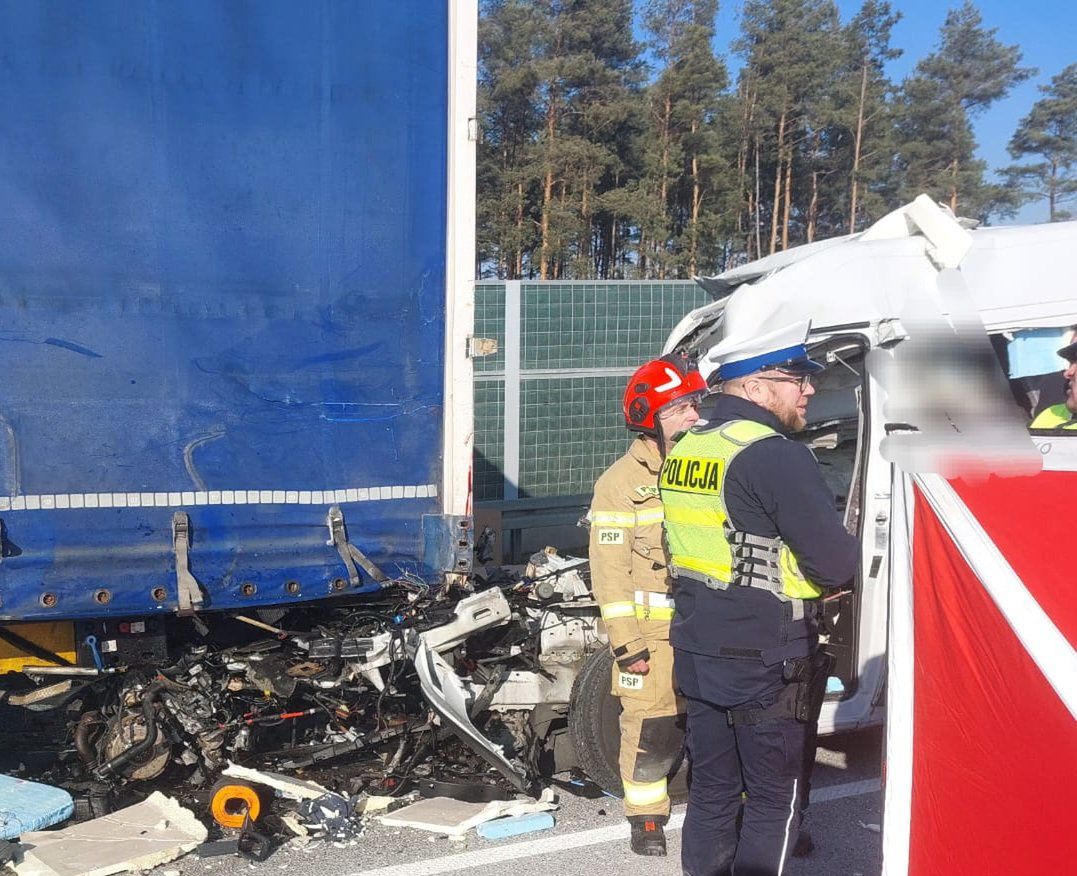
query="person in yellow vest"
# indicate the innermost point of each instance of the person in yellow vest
(631, 584)
(754, 539)
(1062, 416)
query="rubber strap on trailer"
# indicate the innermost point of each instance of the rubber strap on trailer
(188, 591)
(349, 553)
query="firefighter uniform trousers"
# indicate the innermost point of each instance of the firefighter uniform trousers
(630, 582)
(652, 731)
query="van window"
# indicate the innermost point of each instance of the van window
(1033, 371)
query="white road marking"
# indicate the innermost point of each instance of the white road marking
(563, 842)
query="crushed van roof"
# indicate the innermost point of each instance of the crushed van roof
(1019, 276)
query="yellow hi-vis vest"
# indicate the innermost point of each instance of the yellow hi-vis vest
(1054, 417)
(702, 542)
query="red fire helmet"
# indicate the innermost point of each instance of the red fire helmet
(657, 384)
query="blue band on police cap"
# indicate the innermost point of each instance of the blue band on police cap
(746, 366)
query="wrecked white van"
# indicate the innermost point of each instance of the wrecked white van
(914, 318)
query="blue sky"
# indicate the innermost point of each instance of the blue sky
(1046, 31)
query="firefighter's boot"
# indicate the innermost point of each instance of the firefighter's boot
(648, 837)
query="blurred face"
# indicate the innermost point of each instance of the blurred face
(1071, 390)
(784, 395)
(675, 418)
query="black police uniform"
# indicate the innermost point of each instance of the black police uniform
(773, 488)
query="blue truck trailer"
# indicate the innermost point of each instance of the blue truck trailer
(233, 296)
(236, 277)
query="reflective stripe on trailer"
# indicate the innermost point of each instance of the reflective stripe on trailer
(186, 498)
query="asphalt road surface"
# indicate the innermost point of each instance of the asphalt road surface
(591, 838)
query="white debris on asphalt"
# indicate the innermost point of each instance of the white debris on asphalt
(288, 786)
(139, 837)
(449, 817)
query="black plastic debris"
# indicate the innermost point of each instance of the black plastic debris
(330, 817)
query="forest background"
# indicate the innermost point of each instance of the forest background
(617, 143)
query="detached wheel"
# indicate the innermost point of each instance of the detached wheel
(594, 722)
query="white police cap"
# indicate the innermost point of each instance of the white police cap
(740, 355)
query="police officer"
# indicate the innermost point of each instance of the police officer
(630, 582)
(1062, 416)
(754, 538)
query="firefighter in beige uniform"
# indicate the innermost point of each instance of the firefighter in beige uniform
(630, 582)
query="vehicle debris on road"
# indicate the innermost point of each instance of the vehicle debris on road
(139, 837)
(448, 817)
(307, 721)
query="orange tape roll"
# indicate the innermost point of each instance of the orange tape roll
(231, 802)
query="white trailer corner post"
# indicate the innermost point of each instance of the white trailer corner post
(458, 432)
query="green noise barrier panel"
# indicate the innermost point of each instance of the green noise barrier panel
(547, 404)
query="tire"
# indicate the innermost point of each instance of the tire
(594, 722)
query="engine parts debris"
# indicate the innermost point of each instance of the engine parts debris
(406, 689)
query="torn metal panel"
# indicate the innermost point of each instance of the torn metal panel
(472, 614)
(449, 696)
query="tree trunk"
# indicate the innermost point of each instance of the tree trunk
(856, 147)
(1052, 193)
(585, 234)
(742, 163)
(777, 184)
(787, 199)
(519, 263)
(547, 187)
(753, 219)
(953, 186)
(557, 257)
(742, 182)
(642, 266)
(813, 205)
(758, 222)
(697, 200)
(547, 200)
(663, 182)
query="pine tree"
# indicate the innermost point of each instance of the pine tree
(509, 32)
(583, 172)
(588, 71)
(791, 51)
(684, 180)
(1049, 131)
(869, 40)
(968, 72)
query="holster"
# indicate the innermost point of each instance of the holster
(809, 674)
(802, 698)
